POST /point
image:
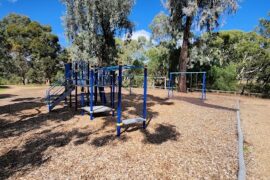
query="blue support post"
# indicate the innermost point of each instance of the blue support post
(119, 108)
(111, 86)
(95, 84)
(145, 97)
(170, 89)
(113, 91)
(76, 86)
(129, 85)
(82, 102)
(91, 94)
(49, 100)
(204, 87)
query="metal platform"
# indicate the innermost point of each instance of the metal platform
(98, 109)
(133, 121)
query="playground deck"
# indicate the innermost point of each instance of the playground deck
(185, 138)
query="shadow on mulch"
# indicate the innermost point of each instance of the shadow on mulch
(31, 154)
(29, 123)
(4, 96)
(105, 140)
(163, 133)
(23, 99)
(199, 102)
(20, 106)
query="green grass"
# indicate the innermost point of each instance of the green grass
(3, 89)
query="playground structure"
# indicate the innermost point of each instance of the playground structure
(92, 80)
(173, 82)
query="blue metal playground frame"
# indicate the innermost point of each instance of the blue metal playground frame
(171, 82)
(96, 79)
(112, 70)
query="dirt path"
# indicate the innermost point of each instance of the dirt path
(185, 139)
(255, 115)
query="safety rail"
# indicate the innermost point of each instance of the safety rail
(55, 91)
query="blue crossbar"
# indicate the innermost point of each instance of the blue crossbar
(187, 72)
(115, 68)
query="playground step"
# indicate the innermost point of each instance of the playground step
(98, 109)
(133, 121)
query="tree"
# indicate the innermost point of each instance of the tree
(264, 27)
(4, 56)
(91, 26)
(132, 50)
(203, 13)
(249, 52)
(32, 47)
(160, 27)
(45, 49)
(158, 61)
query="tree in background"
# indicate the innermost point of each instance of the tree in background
(163, 54)
(202, 13)
(132, 50)
(45, 51)
(33, 49)
(91, 26)
(247, 52)
(161, 29)
(264, 27)
(4, 56)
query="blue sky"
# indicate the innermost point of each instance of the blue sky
(49, 12)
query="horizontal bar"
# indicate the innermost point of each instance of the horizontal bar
(188, 72)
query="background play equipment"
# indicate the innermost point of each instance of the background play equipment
(191, 84)
(88, 81)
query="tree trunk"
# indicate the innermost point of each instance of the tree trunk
(184, 55)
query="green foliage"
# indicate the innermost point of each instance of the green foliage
(264, 27)
(158, 61)
(248, 51)
(91, 26)
(224, 78)
(205, 14)
(160, 27)
(130, 51)
(31, 48)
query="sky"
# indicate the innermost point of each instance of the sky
(49, 12)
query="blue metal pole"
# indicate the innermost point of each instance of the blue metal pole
(95, 84)
(49, 102)
(119, 108)
(113, 91)
(129, 84)
(91, 93)
(145, 97)
(203, 86)
(82, 102)
(169, 86)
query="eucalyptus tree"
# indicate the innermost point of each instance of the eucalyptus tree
(264, 27)
(91, 27)
(203, 14)
(32, 48)
(4, 56)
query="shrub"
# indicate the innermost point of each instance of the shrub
(224, 78)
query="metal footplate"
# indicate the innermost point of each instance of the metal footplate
(133, 121)
(98, 109)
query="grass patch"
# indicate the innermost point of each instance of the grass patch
(3, 88)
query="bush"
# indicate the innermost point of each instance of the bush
(224, 78)
(11, 80)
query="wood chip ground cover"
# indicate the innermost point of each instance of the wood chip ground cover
(185, 138)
